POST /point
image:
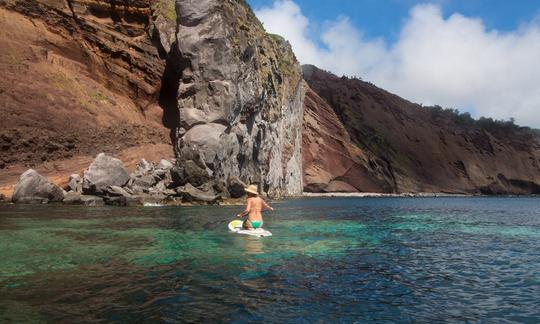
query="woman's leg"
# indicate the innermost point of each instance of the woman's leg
(247, 225)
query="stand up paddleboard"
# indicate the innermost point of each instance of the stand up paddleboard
(235, 226)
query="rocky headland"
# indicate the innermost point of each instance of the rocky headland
(404, 147)
(200, 89)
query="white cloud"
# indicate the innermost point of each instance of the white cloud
(454, 62)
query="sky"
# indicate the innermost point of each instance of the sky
(477, 56)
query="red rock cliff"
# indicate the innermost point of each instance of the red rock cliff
(80, 77)
(414, 148)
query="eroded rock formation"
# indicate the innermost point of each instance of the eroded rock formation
(239, 98)
(419, 149)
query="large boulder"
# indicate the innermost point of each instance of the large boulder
(35, 188)
(104, 171)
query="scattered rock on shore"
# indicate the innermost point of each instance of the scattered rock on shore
(34, 188)
(75, 183)
(106, 182)
(104, 171)
(116, 191)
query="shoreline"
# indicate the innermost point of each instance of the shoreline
(386, 195)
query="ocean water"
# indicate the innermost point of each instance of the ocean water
(330, 260)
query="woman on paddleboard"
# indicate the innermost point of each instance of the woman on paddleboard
(254, 206)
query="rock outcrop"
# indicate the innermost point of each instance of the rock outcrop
(105, 171)
(91, 76)
(35, 188)
(410, 148)
(239, 99)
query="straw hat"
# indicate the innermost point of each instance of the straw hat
(251, 189)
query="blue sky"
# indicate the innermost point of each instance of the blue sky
(383, 18)
(472, 55)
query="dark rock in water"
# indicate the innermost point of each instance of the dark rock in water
(75, 198)
(123, 201)
(236, 188)
(104, 171)
(35, 188)
(75, 183)
(2, 197)
(117, 191)
(191, 194)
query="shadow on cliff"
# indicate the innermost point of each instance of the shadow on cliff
(169, 92)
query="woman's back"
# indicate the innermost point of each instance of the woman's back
(255, 205)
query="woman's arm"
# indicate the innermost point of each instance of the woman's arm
(265, 205)
(245, 212)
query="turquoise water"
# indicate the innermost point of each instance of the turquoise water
(330, 260)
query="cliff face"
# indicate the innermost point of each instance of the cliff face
(239, 98)
(84, 76)
(78, 77)
(419, 149)
(332, 162)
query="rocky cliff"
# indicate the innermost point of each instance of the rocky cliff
(85, 76)
(239, 99)
(332, 162)
(404, 147)
(79, 77)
